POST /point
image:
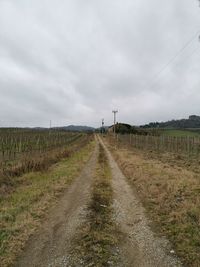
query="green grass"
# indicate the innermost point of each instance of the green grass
(22, 210)
(180, 133)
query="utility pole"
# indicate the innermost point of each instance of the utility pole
(102, 128)
(115, 112)
(49, 127)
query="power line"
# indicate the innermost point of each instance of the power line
(156, 84)
(178, 53)
(175, 56)
(191, 54)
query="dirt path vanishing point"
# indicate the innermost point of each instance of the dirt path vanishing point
(140, 248)
(51, 243)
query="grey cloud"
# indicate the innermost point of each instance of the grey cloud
(73, 61)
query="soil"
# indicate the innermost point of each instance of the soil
(140, 247)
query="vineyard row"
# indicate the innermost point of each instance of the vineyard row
(187, 145)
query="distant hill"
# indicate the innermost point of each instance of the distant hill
(78, 128)
(192, 122)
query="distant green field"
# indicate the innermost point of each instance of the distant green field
(180, 133)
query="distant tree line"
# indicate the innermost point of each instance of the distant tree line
(123, 128)
(192, 122)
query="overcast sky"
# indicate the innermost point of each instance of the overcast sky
(73, 61)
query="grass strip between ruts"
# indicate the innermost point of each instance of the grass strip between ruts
(96, 242)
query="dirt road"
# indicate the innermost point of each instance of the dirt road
(140, 247)
(50, 245)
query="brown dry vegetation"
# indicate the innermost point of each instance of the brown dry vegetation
(170, 191)
(25, 205)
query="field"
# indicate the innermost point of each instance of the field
(65, 193)
(167, 181)
(36, 166)
(181, 145)
(24, 150)
(180, 133)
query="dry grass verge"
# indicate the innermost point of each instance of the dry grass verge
(171, 196)
(96, 243)
(23, 210)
